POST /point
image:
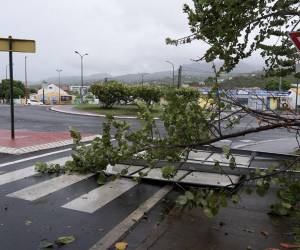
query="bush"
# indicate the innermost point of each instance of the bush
(148, 94)
(188, 94)
(110, 93)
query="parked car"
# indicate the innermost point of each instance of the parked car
(34, 102)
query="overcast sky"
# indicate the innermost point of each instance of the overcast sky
(120, 36)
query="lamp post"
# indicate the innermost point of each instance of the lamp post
(81, 60)
(173, 72)
(59, 71)
(26, 87)
(43, 86)
(6, 71)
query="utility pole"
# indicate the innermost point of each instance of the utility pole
(179, 76)
(142, 79)
(296, 105)
(280, 83)
(11, 76)
(26, 85)
(173, 72)
(81, 60)
(59, 71)
(6, 72)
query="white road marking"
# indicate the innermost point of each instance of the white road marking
(210, 179)
(118, 231)
(33, 157)
(25, 172)
(99, 197)
(45, 188)
(117, 169)
(17, 175)
(156, 174)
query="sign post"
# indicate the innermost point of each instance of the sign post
(11, 45)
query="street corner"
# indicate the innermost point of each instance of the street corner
(31, 141)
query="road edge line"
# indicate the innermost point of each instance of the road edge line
(118, 231)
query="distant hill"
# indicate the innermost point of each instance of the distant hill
(193, 72)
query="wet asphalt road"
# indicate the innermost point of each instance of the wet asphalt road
(40, 118)
(32, 221)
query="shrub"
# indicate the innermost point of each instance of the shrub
(188, 94)
(148, 94)
(109, 93)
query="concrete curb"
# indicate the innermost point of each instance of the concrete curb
(55, 109)
(35, 148)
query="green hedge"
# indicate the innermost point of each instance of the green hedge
(113, 92)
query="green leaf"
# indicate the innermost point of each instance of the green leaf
(208, 212)
(168, 172)
(181, 200)
(226, 150)
(46, 244)
(64, 240)
(76, 136)
(101, 178)
(189, 195)
(223, 200)
(235, 198)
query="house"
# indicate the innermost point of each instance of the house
(52, 94)
(259, 99)
(295, 97)
(76, 89)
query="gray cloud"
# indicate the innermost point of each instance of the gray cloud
(120, 36)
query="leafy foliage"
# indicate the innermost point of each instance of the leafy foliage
(234, 30)
(274, 85)
(109, 93)
(148, 94)
(19, 89)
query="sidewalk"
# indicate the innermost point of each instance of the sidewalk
(32, 141)
(245, 226)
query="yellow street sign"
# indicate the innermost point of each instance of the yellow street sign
(18, 45)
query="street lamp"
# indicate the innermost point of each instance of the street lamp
(6, 72)
(81, 60)
(43, 86)
(26, 86)
(173, 72)
(59, 71)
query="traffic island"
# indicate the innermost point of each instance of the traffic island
(32, 141)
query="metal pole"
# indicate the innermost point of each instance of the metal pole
(26, 88)
(59, 87)
(280, 83)
(296, 105)
(12, 116)
(81, 89)
(59, 71)
(179, 76)
(173, 71)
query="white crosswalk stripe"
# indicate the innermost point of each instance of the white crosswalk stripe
(45, 188)
(101, 196)
(25, 172)
(17, 175)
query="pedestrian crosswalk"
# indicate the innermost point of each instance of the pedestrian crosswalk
(98, 197)
(101, 196)
(79, 194)
(42, 189)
